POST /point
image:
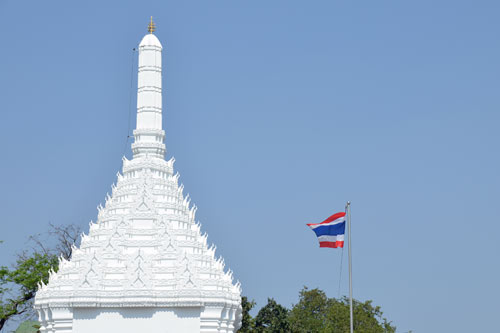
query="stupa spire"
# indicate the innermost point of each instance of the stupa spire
(145, 264)
(149, 134)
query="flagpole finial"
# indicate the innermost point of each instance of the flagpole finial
(151, 26)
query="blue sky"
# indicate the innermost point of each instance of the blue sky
(277, 113)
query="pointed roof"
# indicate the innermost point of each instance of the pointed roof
(146, 248)
(150, 40)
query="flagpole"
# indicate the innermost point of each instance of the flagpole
(348, 211)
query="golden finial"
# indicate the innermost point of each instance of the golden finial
(151, 26)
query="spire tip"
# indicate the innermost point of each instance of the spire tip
(151, 26)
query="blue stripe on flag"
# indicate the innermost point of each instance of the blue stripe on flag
(331, 230)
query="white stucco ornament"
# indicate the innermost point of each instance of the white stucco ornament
(144, 266)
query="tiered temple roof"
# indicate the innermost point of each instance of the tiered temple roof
(146, 248)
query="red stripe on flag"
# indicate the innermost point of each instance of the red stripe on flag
(330, 219)
(332, 244)
(334, 217)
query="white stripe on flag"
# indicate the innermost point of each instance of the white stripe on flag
(328, 238)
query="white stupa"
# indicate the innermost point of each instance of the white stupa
(144, 266)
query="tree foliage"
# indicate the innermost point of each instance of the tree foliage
(247, 322)
(19, 281)
(310, 313)
(272, 318)
(316, 313)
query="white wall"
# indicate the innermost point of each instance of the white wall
(136, 320)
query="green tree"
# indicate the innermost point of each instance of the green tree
(309, 314)
(367, 318)
(28, 326)
(247, 322)
(272, 318)
(316, 313)
(18, 284)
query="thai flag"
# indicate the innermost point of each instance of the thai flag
(331, 231)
